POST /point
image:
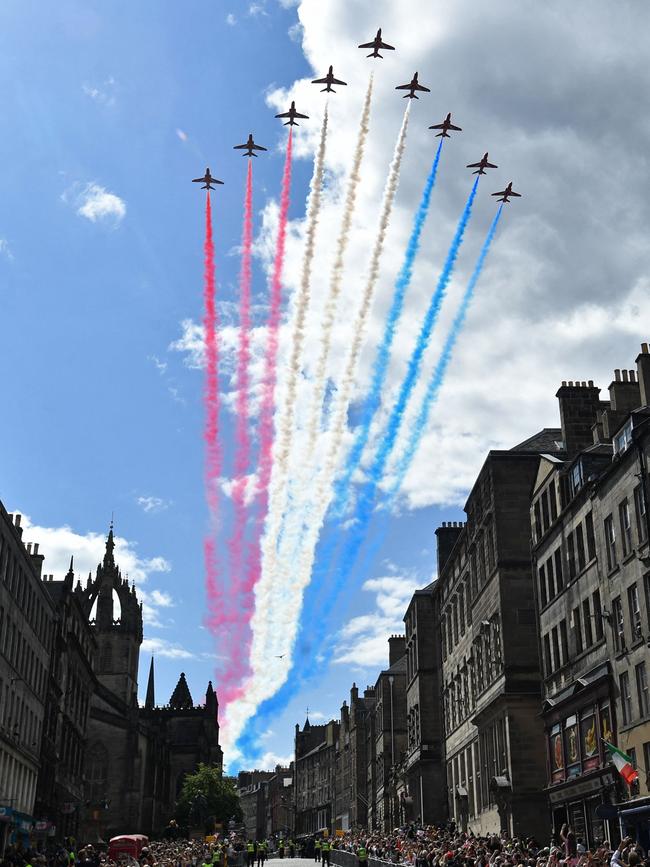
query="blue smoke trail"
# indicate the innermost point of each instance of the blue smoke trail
(380, 366)
(433, 388)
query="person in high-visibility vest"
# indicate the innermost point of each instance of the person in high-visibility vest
(325, 849)
(250, 854)
(292, 848)
(262, 849)
(281, 848)
(362, 855)
(317, 847)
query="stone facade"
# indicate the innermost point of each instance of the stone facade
(390, 737)
(590, 533)
(251, 787)
(280, 802)
(26, 639)
(315, 776)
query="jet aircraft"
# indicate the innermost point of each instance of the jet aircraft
(482, 165)
(505, 194)
(328, 81)
(376, 44)
(292, 114)
(445, 126)
(208, 180)
(249, 147)
(413, 86)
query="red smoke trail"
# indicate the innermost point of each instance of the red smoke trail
(211, 428)
(230, 691)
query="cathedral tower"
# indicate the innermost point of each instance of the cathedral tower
(116, 617)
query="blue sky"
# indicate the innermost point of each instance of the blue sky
(110, 109)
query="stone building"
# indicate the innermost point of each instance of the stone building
(342, 774)
(590, 534)
(70, 686)
(390, 736)
(315, 776)
(26, 636)
(280, 803)
(361, 755)
(423, 763)
(136, 758)
(252, 791)
(490, 678)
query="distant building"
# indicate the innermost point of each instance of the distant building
(26, 643)
(315, 776)
(280, 803)
(590, 529)
(362, 754)
(390, 737)
(251, 788)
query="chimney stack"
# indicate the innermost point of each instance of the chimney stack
(643, 371)
(396, 648)
(579, 406)
(624, 392)
(447, 534)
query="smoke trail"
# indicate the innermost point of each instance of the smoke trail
(329, 315)
(316, 510)
(405, 459)
(287, 419)
(364, 506)
(211, 424)
(380, 366)
(241, 632)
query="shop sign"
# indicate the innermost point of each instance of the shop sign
(41, 826)
(5, 814)
(25, 825)
(580, 788)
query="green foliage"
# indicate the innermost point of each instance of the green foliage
(207, 797)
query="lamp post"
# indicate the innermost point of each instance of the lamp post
(391, 680)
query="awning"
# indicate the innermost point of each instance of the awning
(637, 812)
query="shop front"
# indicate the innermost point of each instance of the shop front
(15, 828)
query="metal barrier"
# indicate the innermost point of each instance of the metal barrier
(348, 859)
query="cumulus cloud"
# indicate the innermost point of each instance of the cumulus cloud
(103, 93)
(5, 250)
(230, 19)
(182, 135)
(362, 642)
(95, 203)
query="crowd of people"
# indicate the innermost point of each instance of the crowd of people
(410, 846)
(449, 847)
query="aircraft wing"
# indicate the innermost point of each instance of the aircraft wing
(368, 44)
(285, 114)
(381, 45)
(441, 126)
(502, 193)
(422, 87)
(490, 166)
(515, 194)
(407, 87)
(474, 165)
(243, 147)
(303, 116)
(258, 148)
(323, 80)
(337, 81)
(198, 180)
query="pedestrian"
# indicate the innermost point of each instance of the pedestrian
(250, 853)
(317, 848)
(292, 848)
(362, 855)
(261, 852)
(281, 848)
(326, 847)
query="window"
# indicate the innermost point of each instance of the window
(619, 625)
(610, 542)
(626, 698)
(556, 648)
(626, 526)
(586, 614)
(642, 689)
(635, 612)
(545, 512)
(547, 655)
(580, 546)
(576, 477)
(559, 579)
(641, 518)
(591, 539)
(598, 615)
(571, 555)
(550, 578)
(542, 586)
(538, 522)
(577, 630)
(564, 640)
(461, 610)
(646, 755)
(623, 439)
(552, 500)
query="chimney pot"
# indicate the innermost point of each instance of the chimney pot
(632, 375)
(570, 383)
(36, 544)
(17, 520)
(590, 383)
(617, 375)
(624, 375)
(29, 547)
(644, 348)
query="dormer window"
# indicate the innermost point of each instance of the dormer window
(623, 438)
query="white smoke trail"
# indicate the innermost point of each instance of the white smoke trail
(329, 315)
(313, 504)
(282, 451)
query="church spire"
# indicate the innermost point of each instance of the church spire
(109, 560)
(181, 698)
(150, 701)
(69, 578)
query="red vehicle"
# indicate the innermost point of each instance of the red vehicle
(128, 844)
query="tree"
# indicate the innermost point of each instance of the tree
(206, 798)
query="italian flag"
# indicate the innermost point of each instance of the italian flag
(622, 763)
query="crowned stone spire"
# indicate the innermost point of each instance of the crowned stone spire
(109, 560)
(150, 701)
(181, 698)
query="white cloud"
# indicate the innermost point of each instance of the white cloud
(183, 136)
(5, 250)
(363, 640)
(230, 19)
(161, 647)
(95, 203)
(161, 366)
(103, 94)
(153, 504)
